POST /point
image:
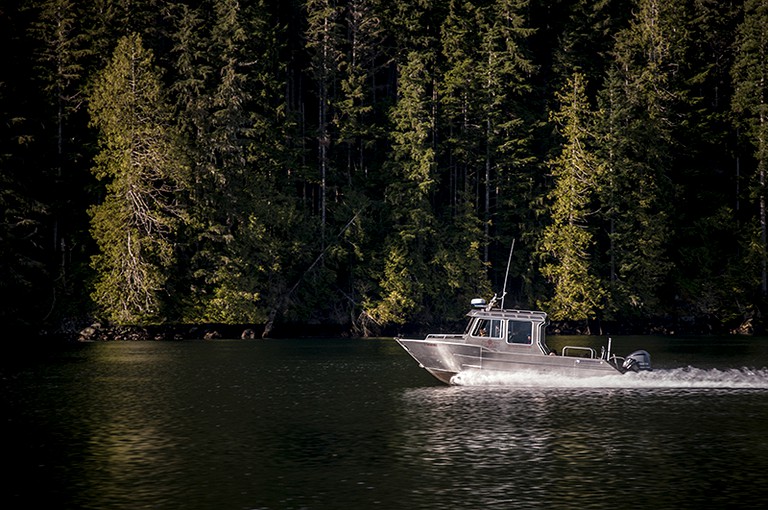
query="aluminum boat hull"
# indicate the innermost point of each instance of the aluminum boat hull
(446, 358)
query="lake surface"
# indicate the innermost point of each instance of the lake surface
(340, 423)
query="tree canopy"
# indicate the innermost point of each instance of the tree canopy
(368, 163)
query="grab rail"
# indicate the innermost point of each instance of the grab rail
(444, 336)
(589, 351)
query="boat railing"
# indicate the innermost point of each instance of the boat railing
(580, 352)
(441, 336)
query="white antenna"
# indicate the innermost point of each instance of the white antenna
(509, 261)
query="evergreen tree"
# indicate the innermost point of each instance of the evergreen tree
(229, 186)
(749, 72)
(586, 41)
(358, 130)
(509, 120)
(141, 161)
(641, 98)
(568, 242)
(486, 146)
(229, 108)
(62, 47)
(406, 280)
(22, 216)
(461, 117)
(707, 246)
(62, 52)
(323, 42)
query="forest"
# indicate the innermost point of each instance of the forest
(376, 164)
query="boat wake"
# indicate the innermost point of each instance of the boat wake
(687, 377)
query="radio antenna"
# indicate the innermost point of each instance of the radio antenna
(509, 261)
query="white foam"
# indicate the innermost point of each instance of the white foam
(687, 377)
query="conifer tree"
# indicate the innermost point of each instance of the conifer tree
(485, 141)
(567, 243)
(750, 100)
(405, 282)
(230, 185)
(142, 165)
(323, 41)
(586, 41)
(708, 245)
(358, 67)
(60, 64)
(638, 116)
(358, 134)
(61, 54)
(231, 106)
(506, 74)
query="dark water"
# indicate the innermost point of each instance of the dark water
(326, 424)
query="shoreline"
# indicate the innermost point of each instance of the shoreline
(95, 331)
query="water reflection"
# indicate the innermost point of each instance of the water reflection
(637, 447)
(311, 424)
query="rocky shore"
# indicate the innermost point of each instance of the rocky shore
(89, 330)
(97, 332)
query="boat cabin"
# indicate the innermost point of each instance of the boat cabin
(507, 329)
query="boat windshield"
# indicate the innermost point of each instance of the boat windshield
(519, 332)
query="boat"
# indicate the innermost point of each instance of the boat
(498, 340)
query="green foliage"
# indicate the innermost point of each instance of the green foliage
(143, 167)
(368, 160)
(412, 242)
(355, 106)
(749, 69)
(21, 267)
(639, 117)
(588, 38)
(567, 242)
(749, 105)
(400, 290)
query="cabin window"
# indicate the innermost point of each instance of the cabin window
(519, 332)
(487, 327)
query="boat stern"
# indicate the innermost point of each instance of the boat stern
(636, 362)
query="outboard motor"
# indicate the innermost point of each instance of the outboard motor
(637, 361)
